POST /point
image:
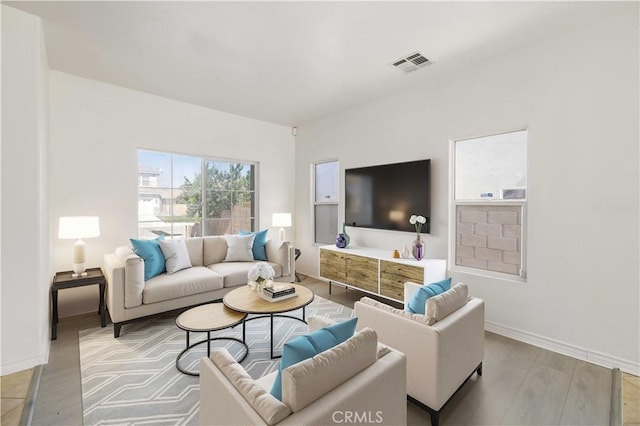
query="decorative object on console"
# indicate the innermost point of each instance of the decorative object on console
(341, 241)
(260, 275)
(396, 254)
(282, 220)
(79, 227)
(347, 238)
(405, 252)
(418, 245)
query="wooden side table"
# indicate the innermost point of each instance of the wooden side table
(63, 280)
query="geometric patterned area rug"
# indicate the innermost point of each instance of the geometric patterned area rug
(133, 380)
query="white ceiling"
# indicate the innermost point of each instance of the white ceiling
(287, 62)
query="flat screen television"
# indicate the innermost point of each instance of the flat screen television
(385, 196)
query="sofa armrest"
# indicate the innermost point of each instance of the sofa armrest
(220, 401)
(125, 278)
(113, 269)
(281, 252)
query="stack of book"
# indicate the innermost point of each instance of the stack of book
(279, 291)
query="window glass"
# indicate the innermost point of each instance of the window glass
(326, 223)
(491, 167)
(489, 200)
(326, 182)
(325, 200)
(194, 196)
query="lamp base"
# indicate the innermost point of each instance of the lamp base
(79, 270)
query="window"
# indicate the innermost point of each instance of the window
(175, 200)
(325, 201)
(489, 200)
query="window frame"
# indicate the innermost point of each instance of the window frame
(315, 203)
(453, 204)
(255, 220)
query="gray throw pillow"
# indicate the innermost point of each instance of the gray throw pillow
(176, 255)
(239, 248)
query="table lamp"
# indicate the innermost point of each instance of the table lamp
(281, 220)
(72, 227)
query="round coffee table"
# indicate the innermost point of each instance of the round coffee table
(245, 300)
(205, 319)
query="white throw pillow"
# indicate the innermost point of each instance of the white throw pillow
(444, 304)
(176, 255)
(239, 248)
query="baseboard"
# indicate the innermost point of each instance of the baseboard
(574, 351)
(23, 364)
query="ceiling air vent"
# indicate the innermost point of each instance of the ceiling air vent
(411, 62)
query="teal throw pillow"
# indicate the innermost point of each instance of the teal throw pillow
(150, 252)
(309, 345)
(259, 250)
(417, 302)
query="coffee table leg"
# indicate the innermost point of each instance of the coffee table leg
(187, 338)
(244, 328)
(304, 313)
(271, 318)
(208, 343)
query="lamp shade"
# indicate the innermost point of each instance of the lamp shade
(281, 219)
(73, 227)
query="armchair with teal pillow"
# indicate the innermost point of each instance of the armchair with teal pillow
(309, 345)
(259, 250)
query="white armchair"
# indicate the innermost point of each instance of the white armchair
(440, 357)
(354, 382)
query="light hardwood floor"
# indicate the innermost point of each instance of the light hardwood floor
(521, 384)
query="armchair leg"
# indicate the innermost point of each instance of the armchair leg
(116, 330)
(479, 370)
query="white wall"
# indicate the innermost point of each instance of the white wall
(95, 130)
(25, 220)
(577, 93)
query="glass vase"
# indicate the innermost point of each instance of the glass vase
(347, 239)
(417, 248)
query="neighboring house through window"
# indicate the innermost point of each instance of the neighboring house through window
(325, 201)
(489, 201)
(187, 196)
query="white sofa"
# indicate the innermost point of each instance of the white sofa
(130, 297)
(441, 356)
(352, 383)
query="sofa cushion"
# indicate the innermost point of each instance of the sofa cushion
(183, 283)
(269, 408)
(258, 249)
(402, 313)
(308, 380)
(306, 346)
(176, 255)
(417, 304)
(235, 273)
(149, 251)
(239, 248)
(444, 304)
(214, 250)
(195, 249)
